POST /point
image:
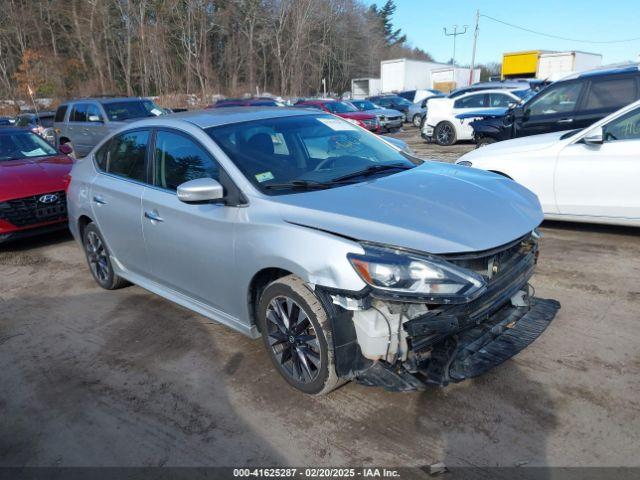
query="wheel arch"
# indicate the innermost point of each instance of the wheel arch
(83, 221)
(500, 173)
(257, 285)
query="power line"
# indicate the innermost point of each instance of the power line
(558, 36)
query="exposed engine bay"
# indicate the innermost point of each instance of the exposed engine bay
(405, 344)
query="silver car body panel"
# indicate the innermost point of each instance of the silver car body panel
(205, 257)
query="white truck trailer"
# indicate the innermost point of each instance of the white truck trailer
(365, 87)
(553, 66)
(406, 74)
(450, 78)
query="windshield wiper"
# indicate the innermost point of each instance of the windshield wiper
(298, 184)
(370, 170)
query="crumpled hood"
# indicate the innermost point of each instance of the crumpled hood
(357, 115)
(23, 178)
(435, 208)
(387, 112)
(515, 146)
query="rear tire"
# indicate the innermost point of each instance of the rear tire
(297, 334)
(417, 120)
(95, 250)
(445, 134)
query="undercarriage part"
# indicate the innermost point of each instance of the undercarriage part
(471, 352)
(381, 374)
(484, 347)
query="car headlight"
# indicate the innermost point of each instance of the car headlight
(465, 163)
(400, 273)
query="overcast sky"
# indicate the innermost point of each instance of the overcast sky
(423, 20)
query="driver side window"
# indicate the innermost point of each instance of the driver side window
(561, 99)
(179, 159)
(626, 127)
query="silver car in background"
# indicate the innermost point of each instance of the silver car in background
(390, 119)
(82, 124)
(351, 259)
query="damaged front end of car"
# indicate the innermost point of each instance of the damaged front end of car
(426, 319)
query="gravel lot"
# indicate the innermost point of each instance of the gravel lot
(90, 377)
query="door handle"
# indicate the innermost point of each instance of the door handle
(153, 215)
(99, 200)
(566, 120)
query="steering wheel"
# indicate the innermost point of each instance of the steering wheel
(327, 163)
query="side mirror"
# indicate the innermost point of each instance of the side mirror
(94, 118)
(65, 149)
(200, 190)
(594, 137)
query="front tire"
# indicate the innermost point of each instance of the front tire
(484, 141)
(417, 120)
(95, 250)
(445, 134)
(297, 334)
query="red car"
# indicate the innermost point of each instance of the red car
(344, 110)
(33, 179)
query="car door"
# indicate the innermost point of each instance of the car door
(76, 129)
(95, 127)
(116, 196)
(190, 245)
(550, 111)
(603, 96)
(467, 103)
(601, 180)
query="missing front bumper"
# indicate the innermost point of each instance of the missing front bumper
(469, 353)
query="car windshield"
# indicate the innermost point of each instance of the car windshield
(283, 155)
(340, 107)
(118, 111)
(14, 146)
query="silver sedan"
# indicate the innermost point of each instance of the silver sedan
(351, 259)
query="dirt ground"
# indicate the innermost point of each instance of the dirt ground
(91, 377)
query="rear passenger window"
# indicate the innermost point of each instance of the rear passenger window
(62, 109)
(611, 94)
(472, 101)
(78, 113)
(124, 155)
(179, 159)
(498, 100)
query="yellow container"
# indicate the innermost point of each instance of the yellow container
(520, 64)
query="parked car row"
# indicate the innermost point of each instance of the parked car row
(585, 175)
(575, 101)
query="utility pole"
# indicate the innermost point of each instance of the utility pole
(473, 53)
(454, 35)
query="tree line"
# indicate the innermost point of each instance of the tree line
(65, 48)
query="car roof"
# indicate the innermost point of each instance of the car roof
(9, 130)
(607, 70)
(223, 116)
(104, 100)
(491, 90)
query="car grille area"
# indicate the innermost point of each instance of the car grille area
(35, 209)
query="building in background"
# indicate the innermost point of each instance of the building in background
(547, 65)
